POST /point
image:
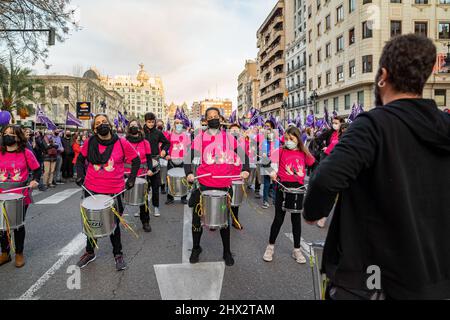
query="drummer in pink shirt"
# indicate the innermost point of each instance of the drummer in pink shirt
(214, 147)
(106, 154)
(135, 136)
(16, 163)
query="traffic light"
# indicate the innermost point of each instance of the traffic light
(51, 37)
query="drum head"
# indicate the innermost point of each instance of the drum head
(10, 196)
(100, 202)
(176, 172)
(238, 182)
(177, 162)
(155, 163)
(214, 193)
(140, 181)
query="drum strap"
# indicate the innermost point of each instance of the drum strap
(8, 227)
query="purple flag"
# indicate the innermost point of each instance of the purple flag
(327, 116)
(123, 119)
(232, 118)
(71, 120)
(116, 123)
(353, 114)
(42, 118)
(168, 124)
(310, 121)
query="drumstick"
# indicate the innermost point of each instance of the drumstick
(203, 175)
(88, 192)
(117, 195)
(226, 177)
(16, 189)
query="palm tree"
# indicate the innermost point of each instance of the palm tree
(17, 87)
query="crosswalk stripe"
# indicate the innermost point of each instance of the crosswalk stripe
(59, 197)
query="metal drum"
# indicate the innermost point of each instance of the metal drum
(238, 193)
(136, 195)
(156, 166)
(163, 170)
(13, 203)
(99, 215)
(215, 210)
(176, 181)
(293, 199)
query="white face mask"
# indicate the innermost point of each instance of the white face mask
(178, 127)
(336, 127)
(291, 145)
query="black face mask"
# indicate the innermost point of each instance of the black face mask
(214, 123)
(103, 129)
(9, 141)
(134, 130)
(160, 128)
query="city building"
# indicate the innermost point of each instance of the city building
(196, 111)
(248, 88)
(271, 61)
(225, 106)
(142, 93)
(61, 94)
(345, 40)
(296, 58)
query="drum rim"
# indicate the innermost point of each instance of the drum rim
(14, 195)
(214, 195)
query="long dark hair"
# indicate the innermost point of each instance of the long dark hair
(141, 129)
(17, 130)
(294, 131)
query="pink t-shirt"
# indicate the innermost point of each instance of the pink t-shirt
(217, 158)
(179, 142)
(293, 164)
(14, 167)
(109, 177)
(142, 149)
(333, 142)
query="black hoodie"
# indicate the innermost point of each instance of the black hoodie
(391, 170)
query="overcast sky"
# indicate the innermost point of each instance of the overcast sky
(196, 46)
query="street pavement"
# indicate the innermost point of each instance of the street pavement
(157, 266)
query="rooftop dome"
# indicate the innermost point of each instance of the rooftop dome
(142, 75)
(91, 74)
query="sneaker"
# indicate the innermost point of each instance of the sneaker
(228, 257)
(265, 205)
(257, 195)
(137, 214)
(120, 262)
(184, 201)
(298, 256)
(268, 255)
(5, 258)
(86, 259)
(170, 201)
(52, 186)
(146, 226)
(195, 254)
(321, 223)
(59, 183)
(157, 214)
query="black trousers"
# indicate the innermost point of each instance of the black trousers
(155, 182)
(115, 237)
(19, 237)
(171, 165)
(67, 167)
(197, 229)
(279, 219)
(143, 213)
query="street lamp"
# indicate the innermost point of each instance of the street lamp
(313, 98)
(103, 105)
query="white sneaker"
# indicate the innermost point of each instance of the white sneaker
(265, 205)
(137, 214)
(268, 255)
(157, 214)
(321, 223)
(298, 256)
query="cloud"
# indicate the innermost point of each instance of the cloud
(194, 45)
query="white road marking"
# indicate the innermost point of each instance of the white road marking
(59, 197)
(74, 247)
(201, 281)
(187, 233)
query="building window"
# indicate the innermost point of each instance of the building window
(361, 98)
(444, 30)
(421, 1)
(351, 6)
(328, 50)
(325, 104)
(328, 78)
(351, 36)
(440, 96)
(347, 102)
(318, 29)
(340, 43)
(340, 73)
(396, 28)
(367, 29)
(310, 35)
(310, 85)
(339, 14)
(309, 12)
(336, 104)
(444, 1)
(396, 1)
(54, 92)
(328, 22)
(421, 28)
(351, 68)
(310, 60)
(367, 1)
(319, 81)
(66, 108)
(66, 92)
(367, 63)
(319, 55)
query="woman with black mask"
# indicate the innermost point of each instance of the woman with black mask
(106, 155)
(17, 164)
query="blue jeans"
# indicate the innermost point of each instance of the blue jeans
(266, 188)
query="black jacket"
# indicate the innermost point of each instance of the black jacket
(392, 173)
(155, 137)
(67, 145)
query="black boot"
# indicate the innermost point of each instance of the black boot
(195, 255)
(228, 257)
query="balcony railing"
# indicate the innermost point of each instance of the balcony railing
(296, 67)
